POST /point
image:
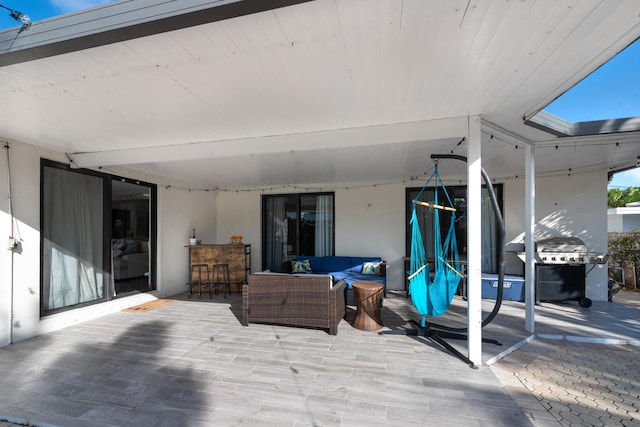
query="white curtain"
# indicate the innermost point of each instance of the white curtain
(489, 242)
(73, 238)
(324, 226)
(276, 234)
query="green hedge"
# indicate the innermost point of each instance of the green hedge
(624, 251)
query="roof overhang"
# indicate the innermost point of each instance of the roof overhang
(563, 128)
(238, 94)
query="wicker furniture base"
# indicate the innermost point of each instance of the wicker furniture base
(298, 300)
(368, 305)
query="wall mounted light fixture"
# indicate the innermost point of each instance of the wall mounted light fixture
(18, 16)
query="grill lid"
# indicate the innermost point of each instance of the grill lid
(560, 244)
(564, 250)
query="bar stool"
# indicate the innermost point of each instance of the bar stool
(198, 270)
(220, 277)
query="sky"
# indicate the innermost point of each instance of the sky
(623, 180)
(611, 91)
(595, 98)
(600, 97)
(41, 9)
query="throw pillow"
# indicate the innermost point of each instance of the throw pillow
(116, 244)
(132, 248)
(303, 266)
(372, 267)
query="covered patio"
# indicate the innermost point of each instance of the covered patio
(219, 102)
(189, 362)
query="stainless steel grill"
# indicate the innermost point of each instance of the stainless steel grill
(561, 268)
(564, 250)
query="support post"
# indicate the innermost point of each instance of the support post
(529, 239)
(474, 243)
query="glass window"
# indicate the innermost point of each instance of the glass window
(296, 224)
(130, 232)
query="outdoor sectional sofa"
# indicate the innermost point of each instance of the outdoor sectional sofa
(350, 269)
(312, 300)
(130, 258)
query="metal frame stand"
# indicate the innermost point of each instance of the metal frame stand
(435, 333)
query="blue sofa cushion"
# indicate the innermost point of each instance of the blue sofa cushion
(350, 278)
(344, 268)
(336, 263)
(341, 275)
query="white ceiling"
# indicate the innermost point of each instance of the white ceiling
(323, 92)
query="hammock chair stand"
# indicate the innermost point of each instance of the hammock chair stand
(430, 331)
(436, 332)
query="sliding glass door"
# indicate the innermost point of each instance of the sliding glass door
(97, 235)
(72, 246)
(296, 224)
(130, 237)
(458, 197)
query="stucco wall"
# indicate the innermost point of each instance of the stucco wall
(179, 211)
(614, 222)
(22, 288)
(623, 219)
(5, 256)
(573, 205)
(370, 221)
(630, 222)
(576, 205)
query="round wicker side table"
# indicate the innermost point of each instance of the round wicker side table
(367, 295)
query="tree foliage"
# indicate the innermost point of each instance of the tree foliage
(617, 198)
(624, 249)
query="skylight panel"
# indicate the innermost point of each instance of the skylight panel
(606, 101)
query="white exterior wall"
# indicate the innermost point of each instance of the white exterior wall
(20, 285)
(623, 219)
(573, 205)
(179, 211)
(514, 222)
(614, 222)
(370, 221)
(239, 214)
(5, 257)
(631, 221)
(576, 206)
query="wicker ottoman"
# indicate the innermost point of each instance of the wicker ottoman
(367, 295)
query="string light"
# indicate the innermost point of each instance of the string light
(411, 179)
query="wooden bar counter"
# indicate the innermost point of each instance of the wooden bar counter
(236, 255)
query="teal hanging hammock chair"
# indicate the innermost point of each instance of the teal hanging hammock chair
(432, 289)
